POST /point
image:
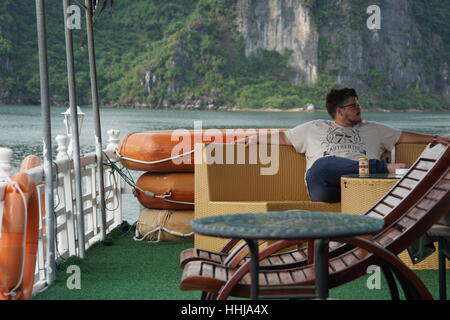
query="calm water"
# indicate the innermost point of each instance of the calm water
(21, 128)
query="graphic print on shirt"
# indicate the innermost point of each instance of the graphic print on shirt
(343, 140)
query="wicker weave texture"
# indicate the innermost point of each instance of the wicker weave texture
(239, 188)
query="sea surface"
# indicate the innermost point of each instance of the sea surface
(21, 127)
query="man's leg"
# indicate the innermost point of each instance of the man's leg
(324, 177)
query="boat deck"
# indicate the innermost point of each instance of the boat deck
(124, 269)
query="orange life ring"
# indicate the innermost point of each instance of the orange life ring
(154, 146)
(179, 184)
(11, 242)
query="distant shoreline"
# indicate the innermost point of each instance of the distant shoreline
(234, 109)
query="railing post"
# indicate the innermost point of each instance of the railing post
(62, 141)
(5, 162)
(113, 144)
(113, 139)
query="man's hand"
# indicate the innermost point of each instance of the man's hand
(392, 166)
(443, 140)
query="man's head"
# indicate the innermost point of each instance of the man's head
(343, 106)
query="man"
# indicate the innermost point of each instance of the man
(333, 147)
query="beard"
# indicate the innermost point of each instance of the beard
(354, 120)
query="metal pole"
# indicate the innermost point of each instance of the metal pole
(75, 133)
(96, 113)
(47, 137)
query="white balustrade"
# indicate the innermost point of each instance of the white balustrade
(65, 204)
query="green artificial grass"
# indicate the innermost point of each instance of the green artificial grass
(124, 269)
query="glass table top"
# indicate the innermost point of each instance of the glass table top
(293, 224)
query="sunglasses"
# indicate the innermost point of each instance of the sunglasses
(355, 105)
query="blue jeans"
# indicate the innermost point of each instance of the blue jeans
(324, 176)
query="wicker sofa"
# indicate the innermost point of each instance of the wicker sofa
(237, 188)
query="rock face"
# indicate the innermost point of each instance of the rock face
(331, 37)
(389, 54)
(281, 25)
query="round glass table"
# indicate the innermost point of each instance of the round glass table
(288, 225)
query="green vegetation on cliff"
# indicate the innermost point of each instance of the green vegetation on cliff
(160, 53)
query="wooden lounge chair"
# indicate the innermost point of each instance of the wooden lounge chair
(390, 206)
(417, 202)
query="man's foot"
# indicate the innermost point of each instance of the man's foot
(392, 166)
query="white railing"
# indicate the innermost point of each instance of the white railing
(65, 210)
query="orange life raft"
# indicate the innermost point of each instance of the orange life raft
(12, 256)
(171, 190)
(172, 150)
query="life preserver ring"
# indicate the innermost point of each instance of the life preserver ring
(16, 282)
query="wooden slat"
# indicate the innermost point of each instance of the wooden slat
(273, 278)
(274, 260)
(426, 204)
(406, 222)
(400, 192)
(221, 273)
(408, 183)
(338, 264)
(392, 201)
(375, 214)
(417, 174)
(435, 194)
(349, 259)
(416, 213)
(383, 209)
(298, 275)
(425, 164)
(444, 184)
(388, 236)
(285, 277)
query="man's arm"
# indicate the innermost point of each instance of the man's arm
(412, 137)
(266, 138)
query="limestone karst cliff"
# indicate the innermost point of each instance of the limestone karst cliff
(239, 53)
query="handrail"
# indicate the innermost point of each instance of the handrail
(66, 238)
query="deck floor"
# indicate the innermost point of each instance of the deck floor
(131, 270)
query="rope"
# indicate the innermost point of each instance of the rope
(153, 162)
(159, 229)
(132, 184)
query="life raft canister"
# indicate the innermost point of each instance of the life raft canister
(176, 187)
(163, 148)
(165, 225)
(12, 256)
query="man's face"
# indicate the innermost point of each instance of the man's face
(350, 111)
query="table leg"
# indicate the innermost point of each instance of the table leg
(321, 267)
(254, 269)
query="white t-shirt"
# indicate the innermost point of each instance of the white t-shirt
(321, 138)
